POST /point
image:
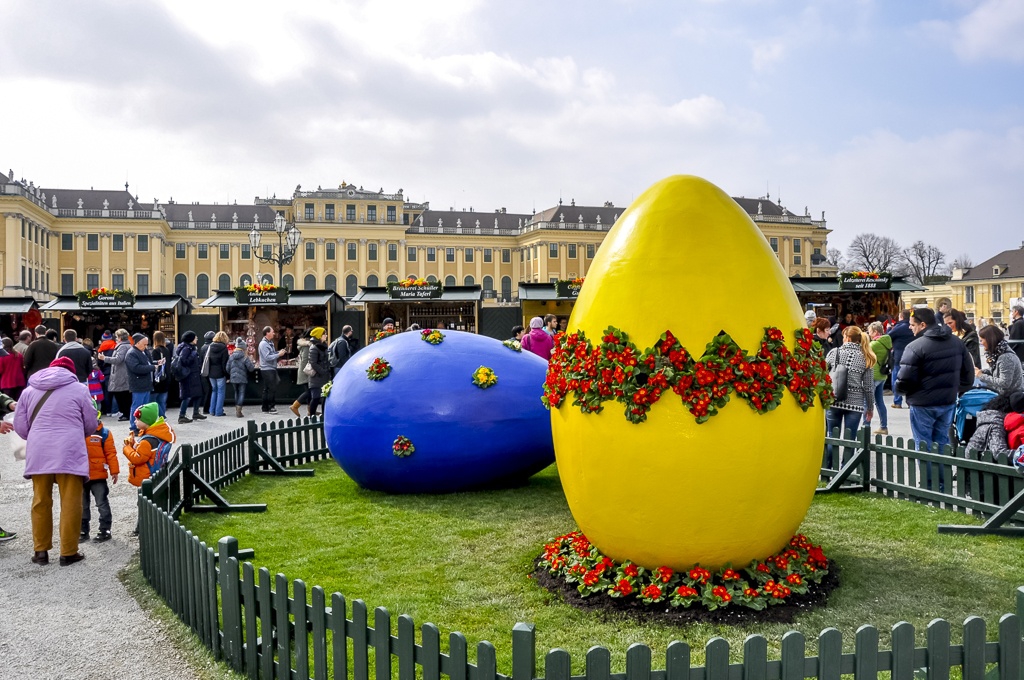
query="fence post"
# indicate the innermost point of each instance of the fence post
(524, 652)
(231, 603)
(187, 483)
(250, 438)
(865, 468)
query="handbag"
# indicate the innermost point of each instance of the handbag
(308, 369)
(839, 377)
(205, 371)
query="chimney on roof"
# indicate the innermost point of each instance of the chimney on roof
(503, 212)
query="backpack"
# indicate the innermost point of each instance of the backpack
(160, 452)
(178, 372)
(886, 368)
(335, 357)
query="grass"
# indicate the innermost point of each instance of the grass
(462, 562)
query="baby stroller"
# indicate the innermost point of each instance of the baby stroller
(965, 415)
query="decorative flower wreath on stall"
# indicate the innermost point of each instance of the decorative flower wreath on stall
(384, 334)
(379, 369)
(256, 288)
(616, 370)
(412, 282)
(402, 447)
(513, 345)
(484, 377)
(797, 569)
(115, 293)
(432, 335)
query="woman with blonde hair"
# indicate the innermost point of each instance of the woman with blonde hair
(217, 360)
(856, 355)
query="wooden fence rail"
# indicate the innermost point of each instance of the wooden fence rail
(247, 617)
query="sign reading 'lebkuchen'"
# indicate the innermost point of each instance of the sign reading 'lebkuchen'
(275, 296)
(865, 281)
(419, 292)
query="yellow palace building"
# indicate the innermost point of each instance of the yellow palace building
(57, 242)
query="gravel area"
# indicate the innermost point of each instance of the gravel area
(79, 621)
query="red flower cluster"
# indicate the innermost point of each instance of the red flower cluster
(616, 370)
(794, 570)
(379, 369)
(402, 447)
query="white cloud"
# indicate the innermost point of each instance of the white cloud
(991, 31)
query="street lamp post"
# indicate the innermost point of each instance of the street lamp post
(287, 245)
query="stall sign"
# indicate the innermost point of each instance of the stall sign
(421, 292)
(276, 296)
(105, 297)
(865, 281)
(569, 288)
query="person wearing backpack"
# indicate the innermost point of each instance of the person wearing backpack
(881, 345)
(845, 413)
(102, 457)
(147, 452)
(339, 351)
(239, 368)
(185, 369)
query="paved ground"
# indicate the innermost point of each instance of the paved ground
(78, 621)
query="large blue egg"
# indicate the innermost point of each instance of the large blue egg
(465, 437)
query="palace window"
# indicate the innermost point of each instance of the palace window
(351, 250)
(774, 242)
(449, 254)
(225, 251)
(371, 213)
(117, 242)
(204, 251)
(410, 254)
(117, 281)
(92, 241)
(969, 294)
(179, 251)
(350, 215)
(67, 284)
(331, 250)
(246, 251)
(393, 252)
(203, 286)
(468, 255)
(590, 250)
(553, 250)
(997, 292)
(67, 241)
(142, 284)
(268, 252)
(329, 212)
(142, 243)
(371, 251)
(572, 251)
(391, 213)
(309, 282)
(309, 212)
(92, 281)
(488, 255)
(431, 254)
(310, 250)
(796, 245)
(224, 282)
(506, 254)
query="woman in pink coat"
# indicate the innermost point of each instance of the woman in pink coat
(537, 341)
(55, 453)
(12, 374)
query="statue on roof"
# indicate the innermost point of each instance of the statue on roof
(80, 204)
(53, 200)
(189, 215)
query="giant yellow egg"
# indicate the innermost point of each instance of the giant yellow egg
(672, 491)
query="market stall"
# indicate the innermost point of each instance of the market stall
(428, 304)
(91, 314)
(864, 297)
(541, 299)
(18, 314)
(290, 313)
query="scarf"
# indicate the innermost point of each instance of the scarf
(1002, 347)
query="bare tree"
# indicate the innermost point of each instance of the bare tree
(874, 253)
(834, 257)
(922, 260)
(961, 261)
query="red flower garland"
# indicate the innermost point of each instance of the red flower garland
(616, 370)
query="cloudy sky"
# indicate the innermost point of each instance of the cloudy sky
(898, 118)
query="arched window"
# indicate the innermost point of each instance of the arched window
(488, 287)
(331, 282)
(224, 282)
(449, 280)
(432, 278)
(289, 281)
(392, 278)
(469, 281)
(181, 285)
(267, 278)
(245, 280)
(350, 285)
(202, 286)
(309, 283)
(506, 288)
(371, 280)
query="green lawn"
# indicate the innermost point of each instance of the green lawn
(461, 561)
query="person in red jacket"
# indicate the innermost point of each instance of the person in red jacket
(102, 457)
(1014, 421)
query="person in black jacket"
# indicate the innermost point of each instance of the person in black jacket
(40, 352)
(217, 360)
(78, 353)
(140, 375)
(901, 337)
(934, 369)
(207, 388)
(1017, 331)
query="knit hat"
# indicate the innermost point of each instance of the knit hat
(387, 321)
(536, 322)
(63, 362)
(810, 316)
(137, 338)
(149, 414)
(239, 342)
(107, 335)
(1017, 402)
(318, 332)
(188, 337)
(209, 336)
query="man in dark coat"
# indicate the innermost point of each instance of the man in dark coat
(1017, 331)
(207, 387)
(901, 337)
(40, 353)
(140, 375)
(78, 353)
(934, 369)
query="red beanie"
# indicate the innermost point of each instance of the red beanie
(63, 362)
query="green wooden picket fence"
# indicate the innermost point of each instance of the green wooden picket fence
(267, 626)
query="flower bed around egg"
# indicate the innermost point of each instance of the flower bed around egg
(799, 577)
(616, 370)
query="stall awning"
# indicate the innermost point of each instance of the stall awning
(448, 294)
(16, 305)
(298, 298)
(144, 303)
(810, 284)
(541, 292)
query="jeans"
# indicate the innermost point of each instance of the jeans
(185, 401)
(99, 490)
(138, 399)
(883, 415)
(207, 391)
(161, 400)
(849, 420)
(930, 425)
(218, 390)
(897, 398)
(270, 379)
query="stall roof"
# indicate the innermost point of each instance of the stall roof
(297, 298)
(69, 303)
(18, 305)
(539, 291)
(811, 284)
(448, 294)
